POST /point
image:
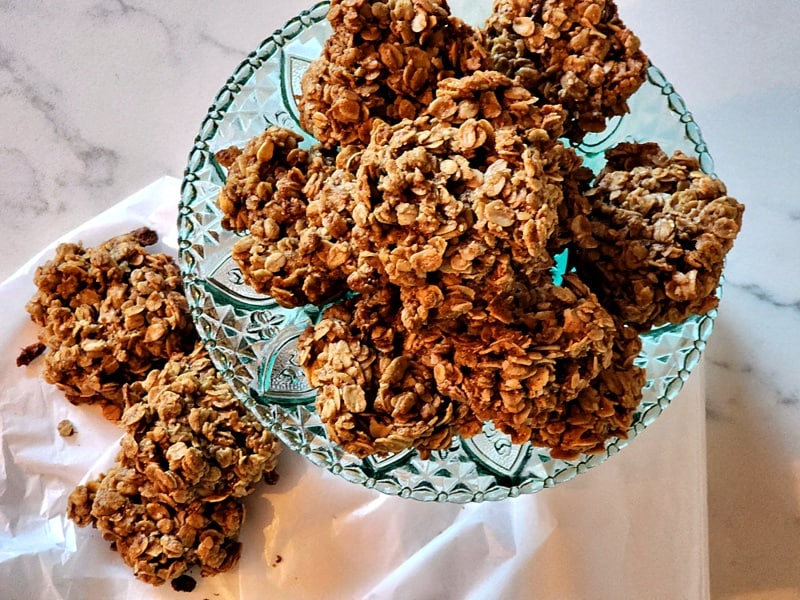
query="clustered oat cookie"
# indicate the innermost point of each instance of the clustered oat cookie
(524, 371)
(480, 176)
(383, 61)
(577, 53)
(294, 204)
(654, 242)
(373, 398)
(431, 233)
(190, 454)
(118, 330)
(109, 315)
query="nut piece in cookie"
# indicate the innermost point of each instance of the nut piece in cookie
(190, 453)
(654, 241)
(109, 314)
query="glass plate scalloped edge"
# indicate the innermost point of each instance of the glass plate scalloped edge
(240, 329)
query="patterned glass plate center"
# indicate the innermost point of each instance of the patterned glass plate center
(252, 340)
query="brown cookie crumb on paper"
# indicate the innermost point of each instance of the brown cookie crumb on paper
(30, 353)
(65, 428)
(184, 583)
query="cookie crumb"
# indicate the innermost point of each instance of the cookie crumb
(29, 353)
(66, 428)
(183, 583)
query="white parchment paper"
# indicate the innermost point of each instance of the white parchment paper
(635, 527)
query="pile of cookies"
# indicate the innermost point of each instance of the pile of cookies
(116, 331)
(429, 214)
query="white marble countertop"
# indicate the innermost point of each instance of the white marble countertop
(98, 98)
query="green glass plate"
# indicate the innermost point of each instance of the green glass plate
(252, 340)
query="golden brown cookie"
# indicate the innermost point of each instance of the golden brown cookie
(654, 241)
(190, 453)
(577, 53)
(109, 315)
(383, 61)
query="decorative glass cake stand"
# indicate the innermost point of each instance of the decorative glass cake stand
(252, 340)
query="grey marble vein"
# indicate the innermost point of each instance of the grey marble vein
(42, 98)
(761, 294)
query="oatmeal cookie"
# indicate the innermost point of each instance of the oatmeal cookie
(577, 53)
(383, 61)
(294, 208)
(373, 398)
(159, 539)
(109, 315)
(265, 180)
(601, 410)
(479, 177)
(653, 244)
(191, 452)
(519, 361)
